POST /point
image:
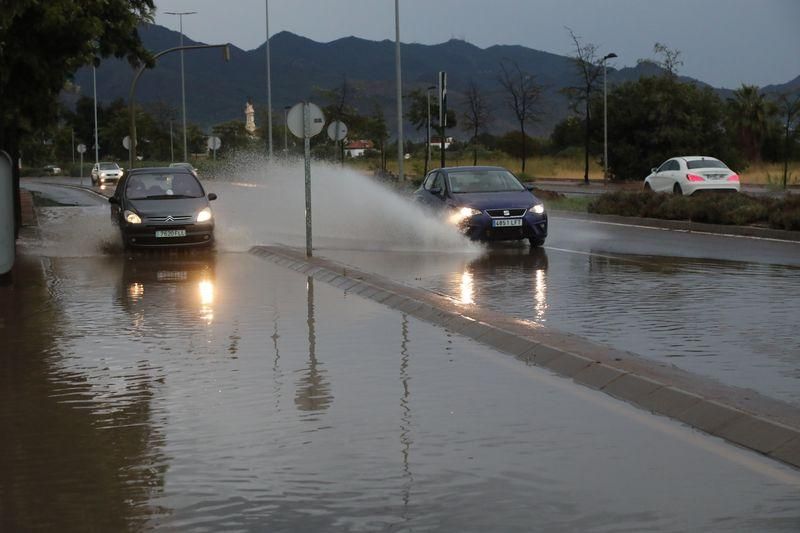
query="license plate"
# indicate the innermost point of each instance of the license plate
(507, 222)
(170, 233)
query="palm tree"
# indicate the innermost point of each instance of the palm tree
(749, 114)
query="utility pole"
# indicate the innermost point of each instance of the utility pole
(183, 80)
(269, 90)
(605, 117)
(96, 140)
(400, 148)
(442, 112)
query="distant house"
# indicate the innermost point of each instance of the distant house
(436, 142)
(358, 148)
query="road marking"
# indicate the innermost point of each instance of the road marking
(676, 230)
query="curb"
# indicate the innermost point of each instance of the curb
(740, 416)
(683, 225)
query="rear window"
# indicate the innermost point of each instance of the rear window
(705, 163)
(178, 185)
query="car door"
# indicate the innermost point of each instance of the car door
(663, 176)
(433, 190)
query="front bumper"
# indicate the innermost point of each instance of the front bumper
(144, 235)
(481, 228)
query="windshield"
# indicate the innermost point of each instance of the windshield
(705, 163)
(108, 166)
(466, 181)
(141, 186)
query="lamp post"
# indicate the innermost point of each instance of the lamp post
(183, 81)
(612, 55)
(132, 93)
(400, 150)
(428, 129)
(286, 129)
(269, 89)
(96, 140)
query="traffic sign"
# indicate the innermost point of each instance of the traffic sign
(81, 148)
(214, 143)
(126, 142)
(295, 120)
(337, 130)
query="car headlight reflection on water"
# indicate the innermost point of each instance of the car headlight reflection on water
(461, 214)
(537, 209)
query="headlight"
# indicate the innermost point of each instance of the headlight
(132, 218)
(537, 209)
(204, 215)
(461, 214)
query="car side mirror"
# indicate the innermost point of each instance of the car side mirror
(529, 187)
(654, 170)
(113, 200)
(436, 190)
(212, 197)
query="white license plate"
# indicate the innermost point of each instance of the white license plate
(170, 233)
(507, 222)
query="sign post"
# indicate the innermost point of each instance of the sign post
(442, 112)
(337, 132)
(306, 120)
(214, 143)
(81, 150)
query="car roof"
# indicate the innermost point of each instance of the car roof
(160, 170)
(696, 157)
(452, 169)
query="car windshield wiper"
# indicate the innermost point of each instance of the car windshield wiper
(163, 196)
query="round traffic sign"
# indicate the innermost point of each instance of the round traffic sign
(316, 119)
(126, 142)
(81, 148)
(337, 130)
(214, 143)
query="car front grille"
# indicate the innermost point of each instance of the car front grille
(502, 213)
(170, 218)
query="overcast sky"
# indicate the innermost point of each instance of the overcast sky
(723, 42)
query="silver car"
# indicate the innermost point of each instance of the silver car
(106, 172)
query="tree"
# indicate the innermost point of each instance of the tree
(670, 59)
(589, 68)
(375, 130)
(43, 43)
(749, 113)
(659, 117)
(476, 116)
(523, 97)
(789, 108)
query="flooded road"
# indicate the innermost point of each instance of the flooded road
(197, 392)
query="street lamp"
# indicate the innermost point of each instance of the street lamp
(612, 55)
(286, 129)
(183, 81)
(269, 89)
(131, 94)
(428, 128)
(400, 148)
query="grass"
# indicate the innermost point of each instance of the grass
(570, 203)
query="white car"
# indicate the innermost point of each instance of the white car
(105, 172)
(689, 174)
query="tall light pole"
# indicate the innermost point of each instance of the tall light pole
(612, 55)
(96, 140)
(183, 80)
(400, 150)
(269, 90)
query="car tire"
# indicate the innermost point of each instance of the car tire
(535, 243)
(676, 190)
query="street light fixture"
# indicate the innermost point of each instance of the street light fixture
(180, 15)
(612, 55)
(131, 94)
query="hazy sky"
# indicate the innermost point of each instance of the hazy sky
(723, 42)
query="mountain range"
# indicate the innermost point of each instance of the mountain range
(216, 90)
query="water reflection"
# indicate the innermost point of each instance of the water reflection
(313, 391)
(467, 292)
(405, 419)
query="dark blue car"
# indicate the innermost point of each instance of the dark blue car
(486, 203)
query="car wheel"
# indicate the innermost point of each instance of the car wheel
(676, 190)
(535, 243)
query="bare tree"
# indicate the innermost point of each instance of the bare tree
(789, 108)
(476, 116)
(670, 59)
(523, 96)
(589, 68)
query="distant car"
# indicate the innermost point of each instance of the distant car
(51, 170)
(187, 166)
(485, 203)
(162, 207)
(106, 172)
(689, 174)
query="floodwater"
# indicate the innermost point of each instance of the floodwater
(193, 392)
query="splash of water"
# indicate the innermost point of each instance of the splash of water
(264, 202)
